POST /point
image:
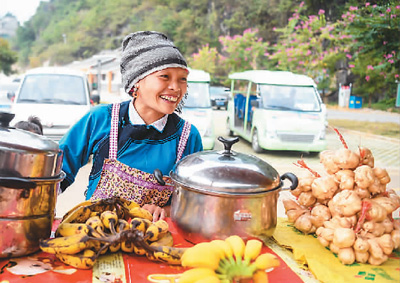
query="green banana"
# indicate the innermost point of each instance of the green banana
(66, 245)
(83, 260)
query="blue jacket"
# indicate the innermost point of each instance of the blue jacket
(139, 146)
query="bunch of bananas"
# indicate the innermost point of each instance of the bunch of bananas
(93, 228)
(227, 261)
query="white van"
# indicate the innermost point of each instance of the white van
(59, 97)
(277, 110)
(197, 109)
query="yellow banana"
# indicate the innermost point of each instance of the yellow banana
(265, 261)
(68, 229)
(252, 250)
(209, 279)
(129, 204)
(115, 247)
(195, 274)
(79, 215)
(221, 244)
(82, 204)
(109, 219)
(127, 246)
(122, 225)
(168, 255)
(260, 276)
(167, 241)
(140, 224)
(237, 244)
(82, 260)
(156, 230)
(201, 256)
(97, 225)
(138, 250)
(66, 245)
(141, 213)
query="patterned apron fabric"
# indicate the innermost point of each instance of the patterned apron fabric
(118, 179)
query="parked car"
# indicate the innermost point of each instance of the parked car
(7, 91)
(277, 110)
(197, 109)
(219, 96)
(59, 97)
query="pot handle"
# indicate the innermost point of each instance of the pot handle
(159, 177)
(17, 183)
(292, 178)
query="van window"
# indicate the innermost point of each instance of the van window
(199, 95)
(297, 98)
(51, 88)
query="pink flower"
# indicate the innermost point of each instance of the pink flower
(391, 61)
(367, 4)
(352, 8)
(348, 56)
(398, 7)
(369, 67)
(396, 76)
(385, 42)
(367, 78)
(392, 16)
(388, 10)
(320, 12)
(351, 66)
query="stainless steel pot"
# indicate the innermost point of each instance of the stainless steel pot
(223, 193)
(30, 173)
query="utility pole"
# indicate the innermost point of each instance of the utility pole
(98, 76)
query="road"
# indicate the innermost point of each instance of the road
(386, 152)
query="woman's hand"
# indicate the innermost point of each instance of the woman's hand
(157, 212)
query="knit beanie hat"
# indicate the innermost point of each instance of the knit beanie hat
(145, 52)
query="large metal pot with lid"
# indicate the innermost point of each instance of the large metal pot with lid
(30, 173)
(223, 193)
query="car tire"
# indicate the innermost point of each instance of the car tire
(229, 132)
(254, 142)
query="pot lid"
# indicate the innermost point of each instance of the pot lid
(25, 154)
(225, 172)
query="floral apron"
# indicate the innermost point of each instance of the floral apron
(118, 179)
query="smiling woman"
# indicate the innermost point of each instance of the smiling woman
(136, 143)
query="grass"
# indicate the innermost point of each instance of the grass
(391, 130)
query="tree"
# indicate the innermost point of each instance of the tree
(374, 50)
(7, 57)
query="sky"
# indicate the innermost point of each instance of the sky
(22, 9)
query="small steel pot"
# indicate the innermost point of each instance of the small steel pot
(223, 193)
(30, 173)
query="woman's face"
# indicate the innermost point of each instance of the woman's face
(160, 93)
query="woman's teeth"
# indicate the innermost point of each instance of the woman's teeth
(170, 98)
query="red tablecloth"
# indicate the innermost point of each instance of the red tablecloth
(137, 268)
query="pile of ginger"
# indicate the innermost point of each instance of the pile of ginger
(349, 208)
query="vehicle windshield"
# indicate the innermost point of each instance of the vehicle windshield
(298, 98)
(198, 95)
(53, 88)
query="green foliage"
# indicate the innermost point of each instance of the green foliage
(7, 57)
(374, 54)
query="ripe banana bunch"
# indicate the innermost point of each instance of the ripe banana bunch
(226, 261)
(93, 228)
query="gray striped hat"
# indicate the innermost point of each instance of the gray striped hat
(145, 52)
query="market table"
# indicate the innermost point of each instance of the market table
(119, 267)
(302, 259)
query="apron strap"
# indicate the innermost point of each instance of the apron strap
(183, 140)
(112, 154)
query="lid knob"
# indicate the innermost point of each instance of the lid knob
(5, 119)
(228, 144)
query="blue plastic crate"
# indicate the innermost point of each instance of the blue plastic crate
(355, 102)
